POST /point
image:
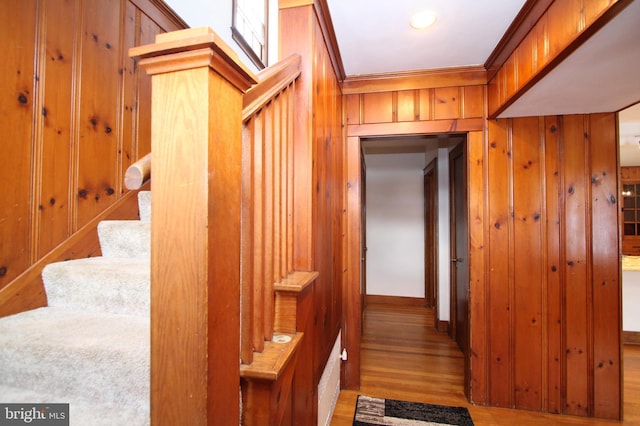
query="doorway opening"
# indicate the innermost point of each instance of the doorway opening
(412, 188)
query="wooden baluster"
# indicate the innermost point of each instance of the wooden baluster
(258, 232)
(246, 262)
(268, 306)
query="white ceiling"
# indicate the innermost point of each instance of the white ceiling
(602, 75)
(374, 36)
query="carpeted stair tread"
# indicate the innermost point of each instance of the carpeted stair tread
(81, 413)
(93, 358)
(125, 238)
(99, 284)
(144, 204)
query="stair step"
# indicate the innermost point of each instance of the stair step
(144, 204)
(125, 238)
(99, 285)
(81, 412)
(97, 359)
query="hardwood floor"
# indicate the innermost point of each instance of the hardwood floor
(403, 357)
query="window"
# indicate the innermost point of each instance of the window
(249, 29)
(631, 209)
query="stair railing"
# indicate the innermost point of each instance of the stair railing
(267, 199)
(222, 229)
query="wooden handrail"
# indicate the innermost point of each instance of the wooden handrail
(271, 81)
(138, 173)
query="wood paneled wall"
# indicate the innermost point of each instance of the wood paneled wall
(559, 31)
(318, 182)
(398, 106)
(75, 116)
(547, 337)
(543, 234)
(436, 102)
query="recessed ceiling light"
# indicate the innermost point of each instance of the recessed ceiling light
(423, 19)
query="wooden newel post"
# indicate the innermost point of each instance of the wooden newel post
(197, 89)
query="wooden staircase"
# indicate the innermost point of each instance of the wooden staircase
(222, 237)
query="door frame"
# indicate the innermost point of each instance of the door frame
(459, 330)
(430, 189)
(352, 305)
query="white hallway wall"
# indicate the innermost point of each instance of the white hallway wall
(395, 226)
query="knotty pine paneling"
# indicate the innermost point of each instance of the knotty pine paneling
(554, 293)
(446, 103)
(57, 61)
(80, 115)
(553, 328)
(318, 191)
(630, 174)
(328, 200)
(18, 88)
(97, 147)
(577, 315)
(442, 103)
(500, 316)
(406, 109)
(606, 279)
(528, 231)
(378, 107)
(561, 24)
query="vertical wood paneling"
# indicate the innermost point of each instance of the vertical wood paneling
(352, 109)
(592, 9)
(57, 77)
(148, 30)
(500, 316)
(565, 318)
(510, 74)
(97, 117)
(406, 110)
(541, 35)
(57, 136)
(578, 287)
(127, 130)
(18, 92)
(554, 267)
(550, 38)
(378, 107)
(525, 57)
(473, 102)
(528, 263)
(446, 103)
(478, 284)
(425, 102)
(606, 280)
(564, 18)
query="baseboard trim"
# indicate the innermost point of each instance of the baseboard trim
(442, 326)
(631, 337)
(394, 300)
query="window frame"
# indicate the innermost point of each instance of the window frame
(246, 47)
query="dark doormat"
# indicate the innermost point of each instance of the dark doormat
(381, 411)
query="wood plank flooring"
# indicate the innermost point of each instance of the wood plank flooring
(403, 357)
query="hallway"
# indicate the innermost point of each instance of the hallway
(403, 357)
